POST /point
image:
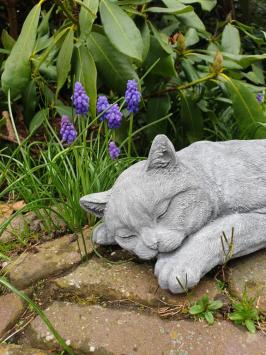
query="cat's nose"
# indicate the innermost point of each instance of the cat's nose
(149, 238)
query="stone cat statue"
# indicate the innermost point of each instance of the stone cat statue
(175, 206)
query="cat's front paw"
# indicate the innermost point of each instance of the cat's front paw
(101, 236)
(177, 277)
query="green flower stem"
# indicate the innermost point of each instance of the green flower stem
(184, 86)
(130, 130)
(196, 82)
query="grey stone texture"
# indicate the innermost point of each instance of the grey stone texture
(99, 330)
(175, 206)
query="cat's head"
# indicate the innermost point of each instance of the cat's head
(153, 205)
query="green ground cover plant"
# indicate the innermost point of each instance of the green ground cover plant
(205, 309)
(206, 76)
(245, 312)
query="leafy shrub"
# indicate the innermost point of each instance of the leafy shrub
(201, 78)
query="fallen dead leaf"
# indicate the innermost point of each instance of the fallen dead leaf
(18, 205)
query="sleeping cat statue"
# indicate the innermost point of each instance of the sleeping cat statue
(175, 206)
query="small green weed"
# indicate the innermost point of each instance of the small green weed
(205, 309)
(245, 312)
(220, 284)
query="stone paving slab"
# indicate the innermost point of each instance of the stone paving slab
(249, 272)
(47, 259)
(130, 280)
(94, 329)
(23, 224)
(11, 308)
(12, 349)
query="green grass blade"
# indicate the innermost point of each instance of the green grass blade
(42, 315)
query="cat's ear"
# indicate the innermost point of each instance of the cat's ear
(95, 203)
(162, 154)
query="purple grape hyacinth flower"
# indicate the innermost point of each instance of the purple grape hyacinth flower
(260, 98)
(114, 151)
(67, 131)
(102, 105)
(80, 99)
(114, 116)
(132, 96)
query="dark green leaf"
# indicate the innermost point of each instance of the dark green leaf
(191, 37)
(86, 17)
(170, 10)
(17, 69)
(7, 41)
(44, 25)
(133, 2)
(121, 30)
(191, 117)
(64, 60)
(196, 309)
(29, 101)
(157, 108)
(247, 111)
(146, 38)
(48, 71)
(114, 68)
(64, 110)
(86, 73)
(190, 70)
(42, 43)
(38, 119)
(165, 66)
(190, 19)
(209, 317)
(206, 5)
(162, 39)
(231, 42)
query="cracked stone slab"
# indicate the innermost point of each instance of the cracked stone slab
(13, 349)
(11, 308)
(250, 273)
(47, 259)
(130, 280)
(99, 330)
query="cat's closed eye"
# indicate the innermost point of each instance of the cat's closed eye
(163, 210)
(126, 237)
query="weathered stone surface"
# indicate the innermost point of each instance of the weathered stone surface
(47, 259)
(112, 331)
(12, 349)
(11, 308)
(249, 272)
(20, 226)
(132, 281)
(23, 224)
